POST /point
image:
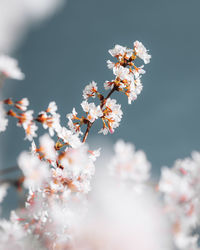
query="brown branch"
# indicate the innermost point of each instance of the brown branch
(112, 90)
(17, 183)
(109, 94)
(89, 125)
(9, 170)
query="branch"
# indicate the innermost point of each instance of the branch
(9, 170)
(87, 131)
(17, 183)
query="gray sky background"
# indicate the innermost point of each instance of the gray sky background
(64, 54)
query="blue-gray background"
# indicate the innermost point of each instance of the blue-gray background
(64, 54)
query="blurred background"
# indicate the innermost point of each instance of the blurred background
(63, 45)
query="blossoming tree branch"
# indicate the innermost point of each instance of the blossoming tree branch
(58, 170)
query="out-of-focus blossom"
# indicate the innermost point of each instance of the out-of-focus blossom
(129, 164)
(14, 231)
(52, 108)
(180, 187)
(68, 137)
(18, 16)
(3, 119)
(78, 167)
(3, 191)
(9, 68)
(47, 147)
(22, 104)
(36, 172)
(175, 186)
(94, 154)
(125, 220)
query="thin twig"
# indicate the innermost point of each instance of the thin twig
(17, 183)
(87, 131)
(8, 170)
(112, 90)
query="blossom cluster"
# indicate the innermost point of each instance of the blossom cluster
(57, 182)
(56, 172)
(59, 168)
(127, 80)
(180, 188)
(129, 165)
(128, 75)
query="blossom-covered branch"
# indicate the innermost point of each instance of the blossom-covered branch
(127, 80)
(59, 172)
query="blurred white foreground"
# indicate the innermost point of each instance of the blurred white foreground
(18, 16)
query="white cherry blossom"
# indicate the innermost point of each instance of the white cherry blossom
(22, 104)
(117, 51)
(68, 137)
(90, 90)
(142, 52)
(94, 112)
(52, 108)
(110, 64)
